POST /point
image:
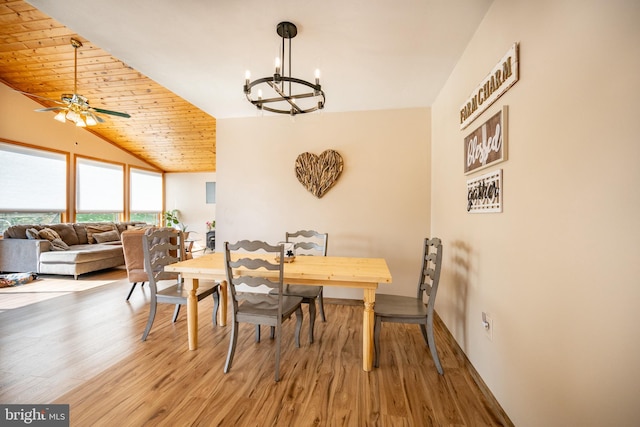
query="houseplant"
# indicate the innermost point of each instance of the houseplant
(172, 219)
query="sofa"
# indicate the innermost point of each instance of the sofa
(65, 249)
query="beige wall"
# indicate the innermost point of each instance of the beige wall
(187, 193)
(379, 207)
(559, 268)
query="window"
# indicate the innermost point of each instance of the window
(34, 185)
(100, 191)
(145, 195)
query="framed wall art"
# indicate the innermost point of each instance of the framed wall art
(487, 145)
(493, 86)
(484, 193)
(319, 173)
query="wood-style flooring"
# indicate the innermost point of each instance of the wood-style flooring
(84, 349)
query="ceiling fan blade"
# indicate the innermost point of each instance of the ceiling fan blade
(41, 110)
(40, 97)
(112, 113)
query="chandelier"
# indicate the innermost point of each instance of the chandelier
(286, 94)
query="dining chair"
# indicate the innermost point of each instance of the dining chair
(308, 242)
(245, 274)
(401, 309)
(161, 247)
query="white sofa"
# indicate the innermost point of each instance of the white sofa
(91, 247)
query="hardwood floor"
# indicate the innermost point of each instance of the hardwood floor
(84, 349)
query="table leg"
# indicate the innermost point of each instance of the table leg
(191, 285)
(367, 329)
(222, 309)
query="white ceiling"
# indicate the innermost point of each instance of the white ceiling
(373, 54)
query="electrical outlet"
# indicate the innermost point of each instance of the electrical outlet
(487, 322)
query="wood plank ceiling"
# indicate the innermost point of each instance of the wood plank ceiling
(36, 57)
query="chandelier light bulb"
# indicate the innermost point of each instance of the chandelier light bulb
(278, 65)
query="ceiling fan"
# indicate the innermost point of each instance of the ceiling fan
(75, 107)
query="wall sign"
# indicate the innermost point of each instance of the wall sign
(500, 79)
(484, 193)
(487, 144)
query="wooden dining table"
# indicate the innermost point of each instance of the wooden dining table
(362, 273)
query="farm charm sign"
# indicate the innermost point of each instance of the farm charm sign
(500, 79)
(487, 144)
(484, 193)
(319, 173)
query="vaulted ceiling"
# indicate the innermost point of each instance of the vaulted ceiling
(36, 57)
(176, 67)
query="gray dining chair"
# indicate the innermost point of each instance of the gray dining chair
(308, 242)
(254, 306)
(400, 309)
(161, 247)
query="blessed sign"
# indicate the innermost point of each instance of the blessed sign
(500, 79)
(487, 144)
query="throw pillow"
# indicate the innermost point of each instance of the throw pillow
(140, 227)
(107, 236)
(66, 232)
(95, 229)
(32, 234)
(59, 245)
(48, 234)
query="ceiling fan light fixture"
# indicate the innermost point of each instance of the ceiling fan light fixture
(76, 107)
(71, 116)
(91, 121)
(61, 116)
(290, 95)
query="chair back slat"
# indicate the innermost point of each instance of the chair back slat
(254, 264)
(308, 242)
(161, 247)
(430, 270)
(242, 271)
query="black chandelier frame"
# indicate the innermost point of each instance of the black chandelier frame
(278, 82)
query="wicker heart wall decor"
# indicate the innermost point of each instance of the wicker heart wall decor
(319, 173)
